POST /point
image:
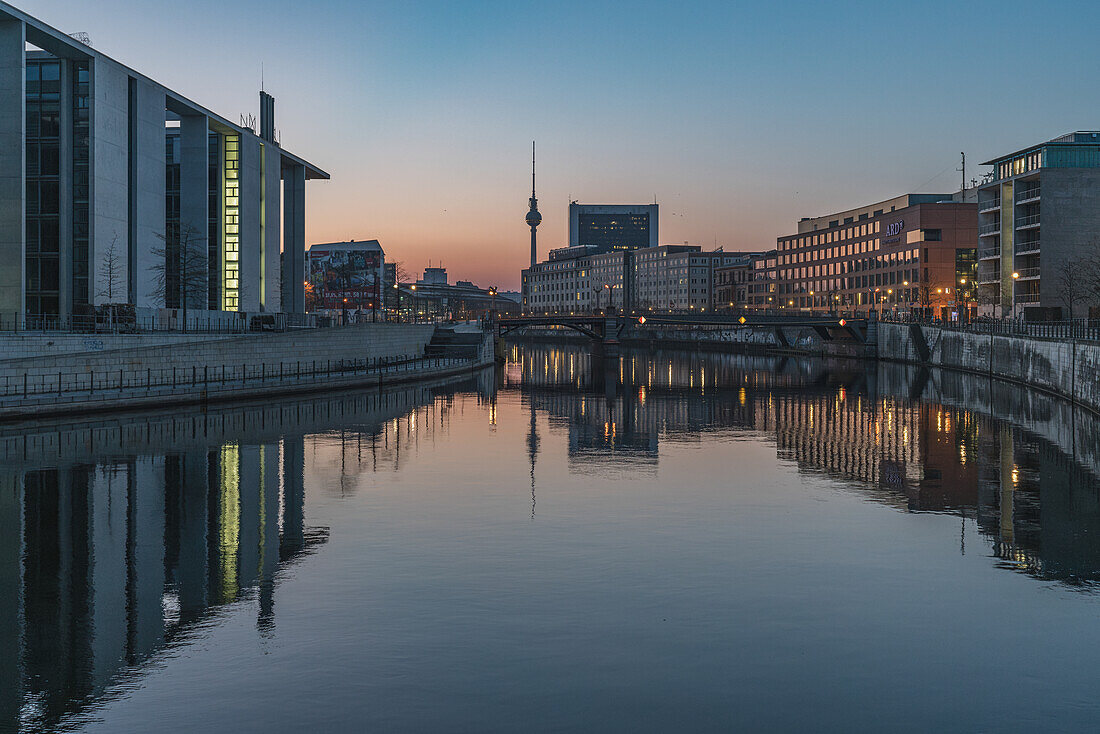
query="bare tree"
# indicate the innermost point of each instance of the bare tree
(1072, 278)
(110, 272)
(402, 273)
(110, 278)
(179, 273)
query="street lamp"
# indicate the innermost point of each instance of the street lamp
(1015, 277)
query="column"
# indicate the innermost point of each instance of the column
(109, 181)
(194, 206)
(294, 239)
(271, 289)
(13, 121)
(147, 166)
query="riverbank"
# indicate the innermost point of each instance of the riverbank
(1069, 369)
(198, 371)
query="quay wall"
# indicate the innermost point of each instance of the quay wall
(284, 350)
(1069, 369)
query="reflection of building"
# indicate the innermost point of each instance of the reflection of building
(346, 275)
(122, 558)
(106, 560)
(1053, 187)
(92, 206)
(912, 455)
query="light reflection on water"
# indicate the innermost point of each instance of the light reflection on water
(647, 543)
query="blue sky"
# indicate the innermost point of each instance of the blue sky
(739, 117)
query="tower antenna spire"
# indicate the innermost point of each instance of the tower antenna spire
(533, 216)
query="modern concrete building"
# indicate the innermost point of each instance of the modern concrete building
(116, 189)
(613, 226)
(913, 253)
(1039, 221)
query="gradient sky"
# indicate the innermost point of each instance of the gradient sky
(740, 117)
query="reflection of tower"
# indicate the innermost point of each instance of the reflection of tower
(534, 219)
(533, 452)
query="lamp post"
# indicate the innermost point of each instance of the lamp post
(1015, 278)
(416, 304)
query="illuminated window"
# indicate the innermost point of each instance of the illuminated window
(231, 208)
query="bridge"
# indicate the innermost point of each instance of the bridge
(609, 329)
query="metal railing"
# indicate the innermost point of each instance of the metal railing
(993, 228)
(1028, 272)
(987, 252)
(1075, 329)
(1027, 221)
(92, 385)
(144, 324)
(984, 206)
(1022, 247)
(1027, 194)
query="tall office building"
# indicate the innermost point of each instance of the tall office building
(612, 226)
(1039, 220)
(111, 183)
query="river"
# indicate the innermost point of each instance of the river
(660, 542)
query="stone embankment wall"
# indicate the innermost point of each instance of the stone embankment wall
(289, 350)
(22, 344)
(1065, 368)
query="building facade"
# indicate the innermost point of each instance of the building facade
(664, 278)
(346, 275)
(116, 189)
(1039, 221)
(915, 253)
(613, 226)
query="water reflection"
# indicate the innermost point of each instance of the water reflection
(122, 539)
(1020, 465)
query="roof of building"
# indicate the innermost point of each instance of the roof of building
(64, 46)
(350, 245)
(1079, 137)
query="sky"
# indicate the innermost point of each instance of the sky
(739, 117)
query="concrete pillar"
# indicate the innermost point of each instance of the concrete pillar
(271, 291)
(13, 123)
(194, 201)
(147, 161)
(108, 177)
(294, 239)
(251, 197)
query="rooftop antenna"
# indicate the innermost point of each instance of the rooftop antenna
(963, 169)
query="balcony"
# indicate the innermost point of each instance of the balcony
(989, 204)
(1027, 222)
(1028, 273)
(1027, 298)
(1027, 195)
(1024, 248)
(985, 230)
(989, 253)
(988, 275)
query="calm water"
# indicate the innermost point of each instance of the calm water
(658, 543)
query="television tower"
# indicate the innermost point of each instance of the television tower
(534, 219)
